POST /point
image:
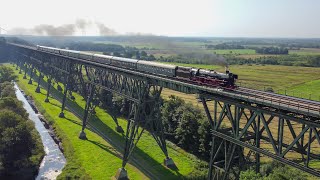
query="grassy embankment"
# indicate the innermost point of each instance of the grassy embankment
(99, 159)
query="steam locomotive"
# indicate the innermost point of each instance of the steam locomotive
(199, 76)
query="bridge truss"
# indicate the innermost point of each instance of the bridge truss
(245, 127)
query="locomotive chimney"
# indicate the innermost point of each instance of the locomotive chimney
(227, 70)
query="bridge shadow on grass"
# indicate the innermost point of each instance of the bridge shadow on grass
(109, 149)
(139, 158)
(74, 122)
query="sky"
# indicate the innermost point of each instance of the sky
(209, 18)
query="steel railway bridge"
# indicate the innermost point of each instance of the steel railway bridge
(246, 124)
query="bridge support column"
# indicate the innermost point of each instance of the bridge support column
(25, 71)
(20, 67)
(31, 74)
(224, 154)
(87, 110)
(38, 86)
(132, 137)
(48, 91)
(258, 145)
(156, 126)
(61, 115)
(145, 114)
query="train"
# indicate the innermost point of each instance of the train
(199, 76)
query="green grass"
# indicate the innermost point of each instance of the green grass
(307, 90)
(98, 158)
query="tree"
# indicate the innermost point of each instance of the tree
(314, 61)
(137, 54)
(17, 141)
(151, 57)
(143, 54)
(14, 105)
(205, 138)
(7, 90)
(168, 111)
(186, 133)
(6, 74)
(250, 175)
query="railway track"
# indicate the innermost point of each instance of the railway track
(281, 99)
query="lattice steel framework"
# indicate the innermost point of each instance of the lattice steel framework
(87, 80)
(240, 129)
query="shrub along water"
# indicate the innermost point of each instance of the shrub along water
(21, 149)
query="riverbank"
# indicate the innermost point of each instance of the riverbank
(54, 160)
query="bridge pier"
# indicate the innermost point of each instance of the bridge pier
(89, 107)
(257, 143)
(31, 74)
(144, 113)
(224, 154)
(25, 71)
(38, 86)
(48, 91)
(65, 92)
(20, 67)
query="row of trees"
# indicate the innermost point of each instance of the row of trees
(224, 46)
(290, 60)
(196, 58)
(272, 50)
(21, 148)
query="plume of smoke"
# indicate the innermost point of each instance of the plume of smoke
(21, 31)
(82, 24)
(63, 30)
(138, 34)
(221, 61)
(104, 30)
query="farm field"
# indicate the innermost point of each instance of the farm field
(261, 76)
(306, 51)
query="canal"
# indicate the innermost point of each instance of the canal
(54, 160)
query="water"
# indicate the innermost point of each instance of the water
(54, 160)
